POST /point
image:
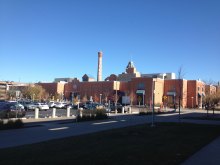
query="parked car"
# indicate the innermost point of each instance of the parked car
(69, 106)
(25, 104)
(51, 104)
(11, 110)
(41, 106)
(17, 105)
(60, 105)
(113, 107)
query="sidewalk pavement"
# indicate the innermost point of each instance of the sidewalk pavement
(208, 155)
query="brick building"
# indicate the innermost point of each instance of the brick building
(91, 90)
(139, 88)
(175, 90)
(3, 89)
(195, 93)
(55, 89)
(210, 89)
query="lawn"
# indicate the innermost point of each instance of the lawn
(166, 143)
(205, 117)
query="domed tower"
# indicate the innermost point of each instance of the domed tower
(131, 72)
(130, 67)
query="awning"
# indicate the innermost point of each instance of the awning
(140, 92)
(171, 93)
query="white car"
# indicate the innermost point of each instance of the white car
(41, 106)
(60, 105)
(51, 104)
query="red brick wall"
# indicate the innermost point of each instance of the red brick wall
(133, 87)
(51, 88)
(178, 86)
(87, 89)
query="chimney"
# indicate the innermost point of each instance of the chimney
(99, 74)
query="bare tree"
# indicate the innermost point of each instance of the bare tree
(211, 101)
(106, 95)
(84, 99)
(35, 92)
(180, 75)
(132, 97)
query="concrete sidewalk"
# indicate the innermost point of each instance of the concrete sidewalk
(208, 155)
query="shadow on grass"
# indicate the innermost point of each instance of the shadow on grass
(166, 143)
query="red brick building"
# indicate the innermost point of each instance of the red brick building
(210, 89)
(175, 90)
(139, 89)
(195, 93)
(55, 90)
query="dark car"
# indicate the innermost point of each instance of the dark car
(11, 110)
(113, 107)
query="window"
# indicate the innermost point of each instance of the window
(140, 86)
(198, 88)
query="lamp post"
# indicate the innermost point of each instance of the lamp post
(100, 99)
(116, 98)
(174, 100)
(192, 102)
(153, 93)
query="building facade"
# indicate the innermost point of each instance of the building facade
(195, 93)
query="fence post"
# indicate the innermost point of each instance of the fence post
(129, 108)
(68, 112)
(123, 110)
(36, 116)
(54, 113)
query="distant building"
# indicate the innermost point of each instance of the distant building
(4, 86)
(56, 80)
(195, 93)
(210, 89)
(11, 90)
(112, 77)
(54, 89)
(87, 78)
(131, 72)
(165, 76)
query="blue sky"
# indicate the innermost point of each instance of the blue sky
(45, 39)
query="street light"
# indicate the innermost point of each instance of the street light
(153, 93)
(174, 100)
(192, 102)
(100, 99)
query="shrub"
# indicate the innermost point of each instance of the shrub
(18, 123)
(101, 114)
(1, 123)
(96, 114)
(11, 124)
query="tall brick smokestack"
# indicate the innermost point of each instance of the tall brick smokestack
(99, 74)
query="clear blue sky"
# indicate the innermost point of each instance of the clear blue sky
(45, 39)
